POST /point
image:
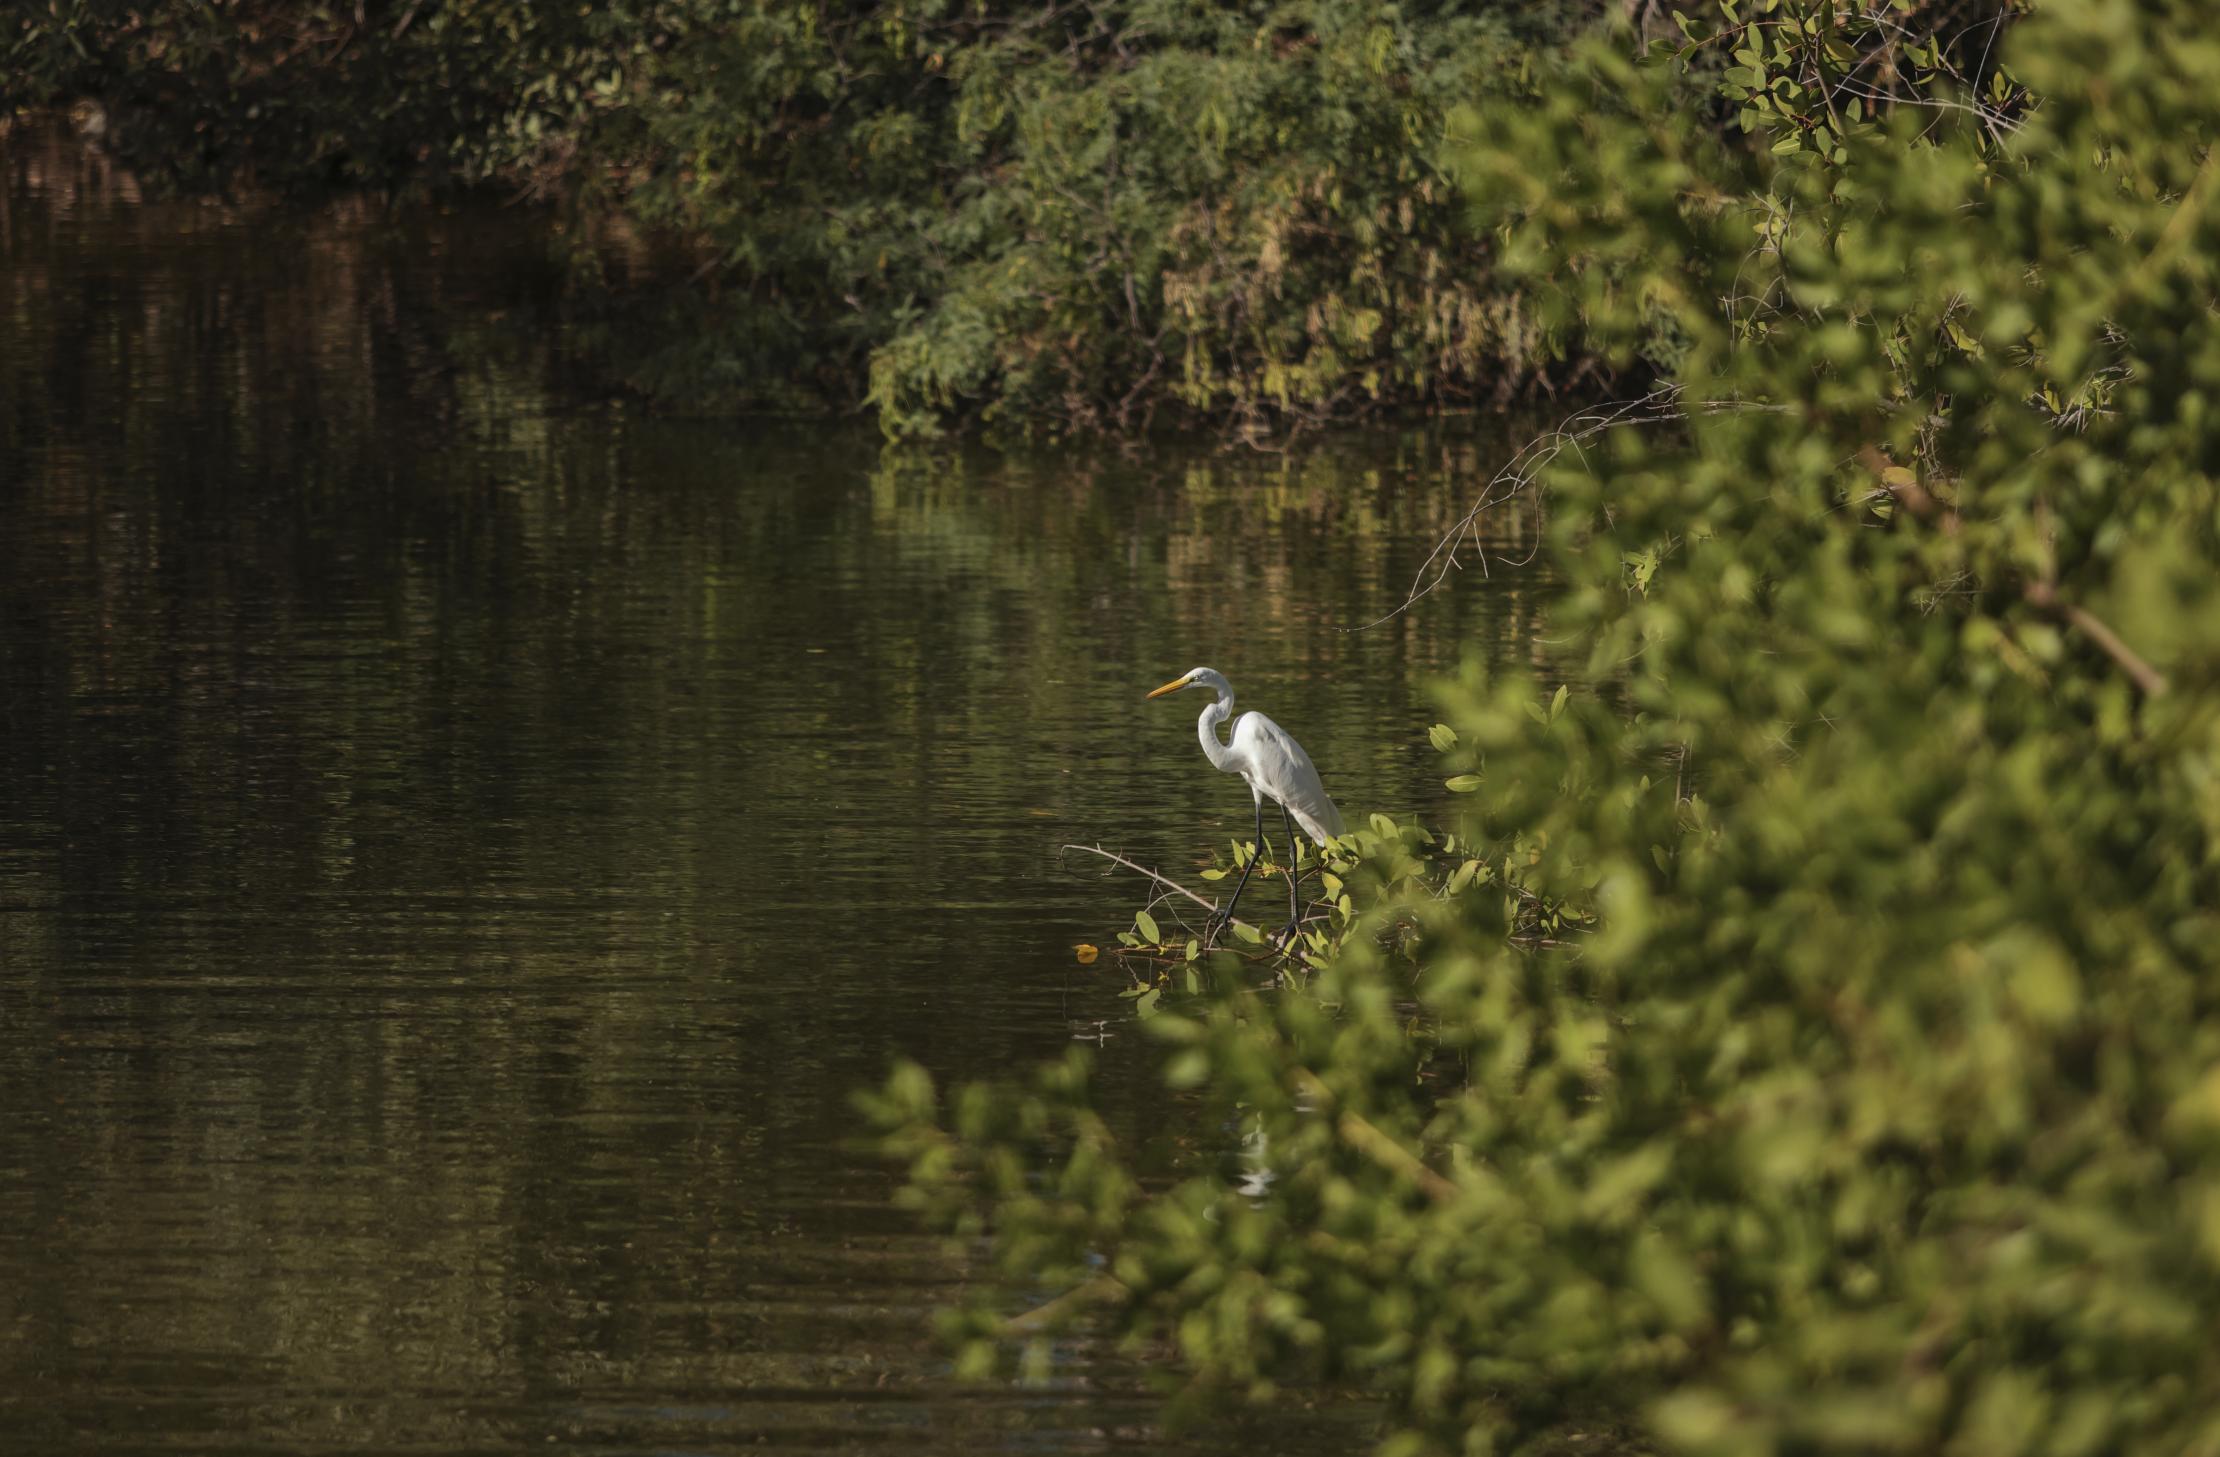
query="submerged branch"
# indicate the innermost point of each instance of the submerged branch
(1368, 1139)
(1101, 1290)
(1170, 885)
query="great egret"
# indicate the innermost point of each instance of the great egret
(1276, 768)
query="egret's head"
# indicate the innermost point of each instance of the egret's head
(1209, 678)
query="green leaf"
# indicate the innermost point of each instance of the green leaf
(1442, 737)
(1146, 924)
(1462, 783)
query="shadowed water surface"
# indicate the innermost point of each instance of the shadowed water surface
(460, 847)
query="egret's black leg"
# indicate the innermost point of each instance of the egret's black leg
(1294, 877)
(1225, 917)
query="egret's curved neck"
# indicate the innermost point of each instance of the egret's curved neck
(1206, 729)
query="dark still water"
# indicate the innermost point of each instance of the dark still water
(459, 847)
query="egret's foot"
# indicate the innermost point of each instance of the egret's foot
(1285, 941)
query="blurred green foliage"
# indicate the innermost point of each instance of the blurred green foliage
(1880, 1110)
(1055, 215)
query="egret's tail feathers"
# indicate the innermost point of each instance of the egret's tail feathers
(1321, 821)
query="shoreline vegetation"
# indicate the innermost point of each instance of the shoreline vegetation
(1045, 219)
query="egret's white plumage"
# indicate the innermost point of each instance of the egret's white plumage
(1269, 760)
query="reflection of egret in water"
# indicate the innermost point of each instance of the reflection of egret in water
(1255, 1158)
(1256, 1164)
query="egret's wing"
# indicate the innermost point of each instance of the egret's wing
(1276, 764)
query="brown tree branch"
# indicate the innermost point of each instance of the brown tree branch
(1905, 489)
(2149, 679)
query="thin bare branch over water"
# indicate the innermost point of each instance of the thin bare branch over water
(1661, 406)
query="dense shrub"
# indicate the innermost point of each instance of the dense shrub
(1880, 1112)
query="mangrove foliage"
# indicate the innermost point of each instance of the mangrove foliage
(1879, 1111)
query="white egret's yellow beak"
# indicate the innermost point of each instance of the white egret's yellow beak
(1174, 686)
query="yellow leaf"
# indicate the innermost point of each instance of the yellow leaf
(1087, 953)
